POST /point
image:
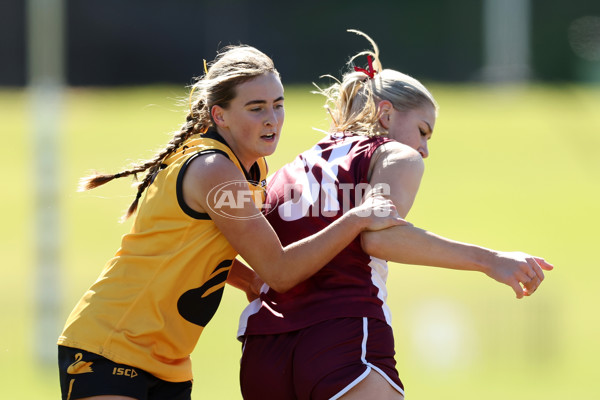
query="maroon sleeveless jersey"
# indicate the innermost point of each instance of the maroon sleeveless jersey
(304, 197)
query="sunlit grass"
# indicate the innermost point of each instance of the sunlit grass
(510, 168)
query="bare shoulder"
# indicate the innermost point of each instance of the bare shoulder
(399, 169)
(203, 174)
(395, 155)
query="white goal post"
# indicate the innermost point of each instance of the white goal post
(45, 22)
(506, 29)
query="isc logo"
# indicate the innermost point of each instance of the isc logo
(130, 372)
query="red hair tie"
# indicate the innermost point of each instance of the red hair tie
(370, 72)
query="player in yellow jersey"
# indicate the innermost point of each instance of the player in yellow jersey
(197, 207)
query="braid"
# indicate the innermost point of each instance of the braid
(189, 128)
(193, 124)
(233, 66)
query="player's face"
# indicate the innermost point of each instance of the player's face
(252, 123)
(413, 128)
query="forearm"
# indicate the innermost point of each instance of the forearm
(401, 171)
(240, 276)
(300, 260)
(244, 278)
(412, 245)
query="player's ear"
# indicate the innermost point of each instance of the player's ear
(384, 109)
(218, 115)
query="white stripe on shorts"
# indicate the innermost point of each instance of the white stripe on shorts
(363, 359)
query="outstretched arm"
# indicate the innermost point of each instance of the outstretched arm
(400, 169)
(248, 231)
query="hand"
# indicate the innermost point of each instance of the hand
(379, 212)
(253, 290)
(521, 271)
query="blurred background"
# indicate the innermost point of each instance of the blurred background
(515, 165)
(112, 42)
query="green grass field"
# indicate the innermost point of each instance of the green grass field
(510, 168)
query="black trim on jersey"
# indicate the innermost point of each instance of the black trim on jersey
(254, 175)
(179, 187)
(213, 134)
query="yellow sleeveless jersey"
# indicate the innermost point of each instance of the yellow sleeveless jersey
(155, 296)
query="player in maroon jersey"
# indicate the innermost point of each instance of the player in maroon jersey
(330, 336)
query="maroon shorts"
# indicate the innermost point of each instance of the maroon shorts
(323, 361)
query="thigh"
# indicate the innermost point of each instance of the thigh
(266, 369)
(373, 387)
(334, 356)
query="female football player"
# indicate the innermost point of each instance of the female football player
(330, 336)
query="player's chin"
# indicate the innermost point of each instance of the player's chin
(269, 144)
